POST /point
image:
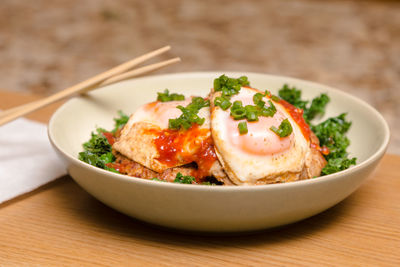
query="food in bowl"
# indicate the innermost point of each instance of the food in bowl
(237, 135)
(250, 207)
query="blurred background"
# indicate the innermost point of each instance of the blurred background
(47, 45)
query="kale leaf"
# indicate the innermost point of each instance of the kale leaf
(97, 151)
(331, 132)
(337, 164)
(184, 179)
(317, 107)
(98, 144)
(293, 96)
(120, 121)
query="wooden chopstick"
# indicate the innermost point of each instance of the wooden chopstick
(123, 76)
(117, 73)
(140, 71)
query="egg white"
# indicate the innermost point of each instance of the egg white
(243, 167)
(137, 138)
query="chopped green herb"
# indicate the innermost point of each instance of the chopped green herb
(237, 105)
(338, 164)
(269, 111)
(252, 112)
(242, 126)
(229, 86)
(222, 102)
(257, 99)
(331, 132)
(166, 96)
(184, 179)
(293, 96)
(120, 121)
(285, 128)
(275, 98)
(237, 110)
(98, 143)
(97, 151)
(189, 114)
(238, 114)
(316, 108)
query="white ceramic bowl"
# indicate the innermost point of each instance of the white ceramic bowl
(212, 208)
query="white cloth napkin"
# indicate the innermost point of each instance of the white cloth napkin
(27, 159)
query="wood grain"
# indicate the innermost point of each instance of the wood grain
(60, 224)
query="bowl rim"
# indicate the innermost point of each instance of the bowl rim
(130, 179)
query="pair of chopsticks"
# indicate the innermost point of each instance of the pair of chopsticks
(114, 75)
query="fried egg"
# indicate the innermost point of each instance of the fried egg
(260, 156)
(147, 140)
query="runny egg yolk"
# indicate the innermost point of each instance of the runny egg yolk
(259, 140)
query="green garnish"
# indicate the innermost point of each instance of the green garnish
(331, 132)
(338, 164)
(121, 121)
(242, 126)
(223, 102)
(166, 96)
(189, 114)
(293, 96)
(316, 108)
(275, 98)
(184, 179)
(229, 86)
(252, 112)
(285, 128)
(270, 111)
(257, 99)
(97, 151)
(238, 114)
(237, 105)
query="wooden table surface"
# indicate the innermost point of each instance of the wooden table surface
(61, 224)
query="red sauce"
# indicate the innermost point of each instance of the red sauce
(117, 166)
(324, 150)
(186, 146)
(297, 116)
(110, 137)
